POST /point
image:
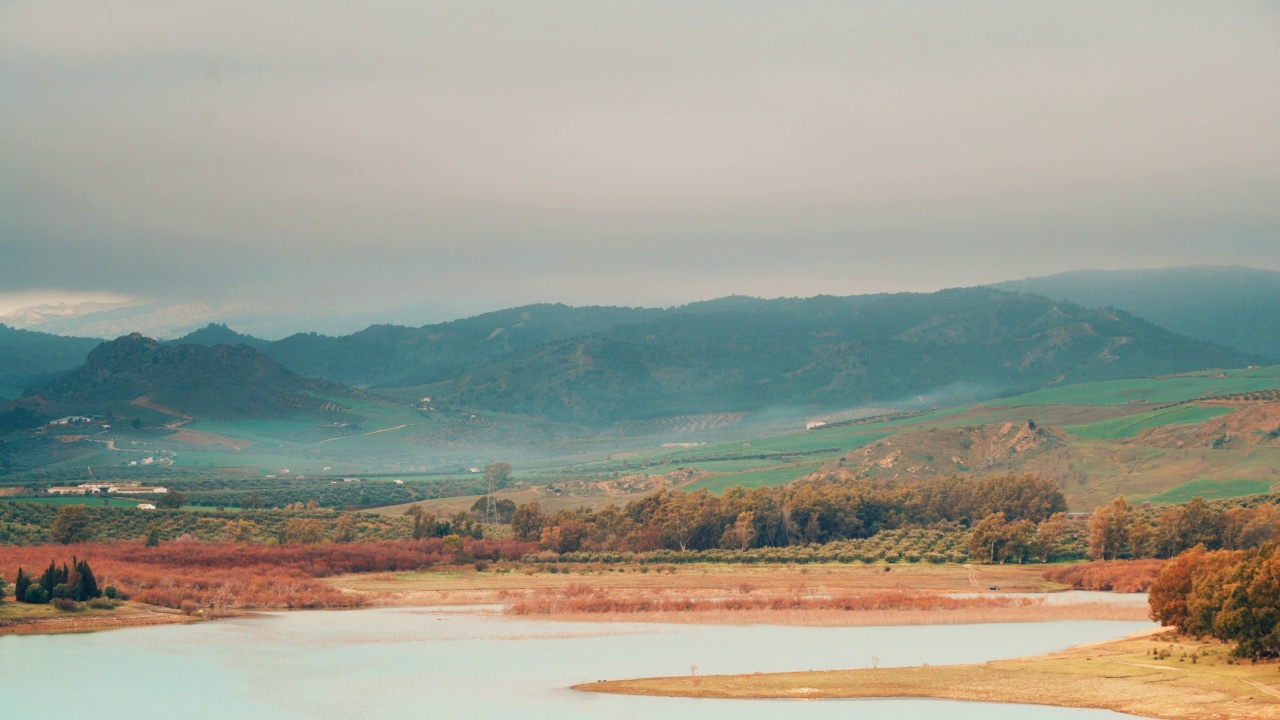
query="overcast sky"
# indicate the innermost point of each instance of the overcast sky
(473, 155)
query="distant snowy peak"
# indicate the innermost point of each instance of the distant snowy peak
(37, 316)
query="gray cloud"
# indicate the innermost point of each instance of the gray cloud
(472, 155)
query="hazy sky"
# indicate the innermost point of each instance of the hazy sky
(470, 155)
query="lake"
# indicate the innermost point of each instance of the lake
(419, 663)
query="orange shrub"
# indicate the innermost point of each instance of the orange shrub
(1115, 575)
(226, 575)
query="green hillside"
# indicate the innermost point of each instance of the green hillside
(826, 352)
(28, 357)
(1234, 306)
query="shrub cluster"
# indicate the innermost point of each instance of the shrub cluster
(1232, 595)
(74, 583)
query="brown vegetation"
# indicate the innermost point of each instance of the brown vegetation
(1125, 576)
(582, 598)
(1233, 596)
(225, 575)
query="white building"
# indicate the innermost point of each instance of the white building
(137, 490)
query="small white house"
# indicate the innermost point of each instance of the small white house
(146, 506)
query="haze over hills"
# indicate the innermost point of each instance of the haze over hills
(1234, 306)
(544, 383)
(601, 365)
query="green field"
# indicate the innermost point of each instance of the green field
(1155, 391)
(1132, 425)
(1212, 490)
(85, 500)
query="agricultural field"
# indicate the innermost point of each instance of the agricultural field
(1213, 490)
(1132, 425)
(1173, 389)
(1140, 437)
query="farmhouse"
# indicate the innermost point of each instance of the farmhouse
(71, 420)
(71, 491)
(114, 488)
(137, 490)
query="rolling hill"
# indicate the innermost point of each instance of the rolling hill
(601, 365)
(1234, 306)
(218, 382)
(827, 352)
(28, 357)
(394, 355)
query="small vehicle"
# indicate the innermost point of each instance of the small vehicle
(993, 587)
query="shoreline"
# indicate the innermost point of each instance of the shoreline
(712, 595)
(1120, 675)
(131, 615)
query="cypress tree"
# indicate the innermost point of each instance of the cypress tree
(20, 586)
(49, 579)
(88, 588)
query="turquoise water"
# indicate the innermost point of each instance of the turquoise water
(421, 663)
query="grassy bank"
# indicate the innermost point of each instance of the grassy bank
(1157, 675)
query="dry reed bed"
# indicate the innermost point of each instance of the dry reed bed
(800, 606)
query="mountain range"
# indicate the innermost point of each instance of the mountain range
(602, 365)
(1234, 306)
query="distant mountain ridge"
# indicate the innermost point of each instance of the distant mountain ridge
(28, 357)
(1234, 306)
(827, 352)
(601, 365)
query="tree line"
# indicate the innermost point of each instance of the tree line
(1121, 530)
(810, 512)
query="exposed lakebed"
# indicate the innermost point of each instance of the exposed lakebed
(414, 663)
